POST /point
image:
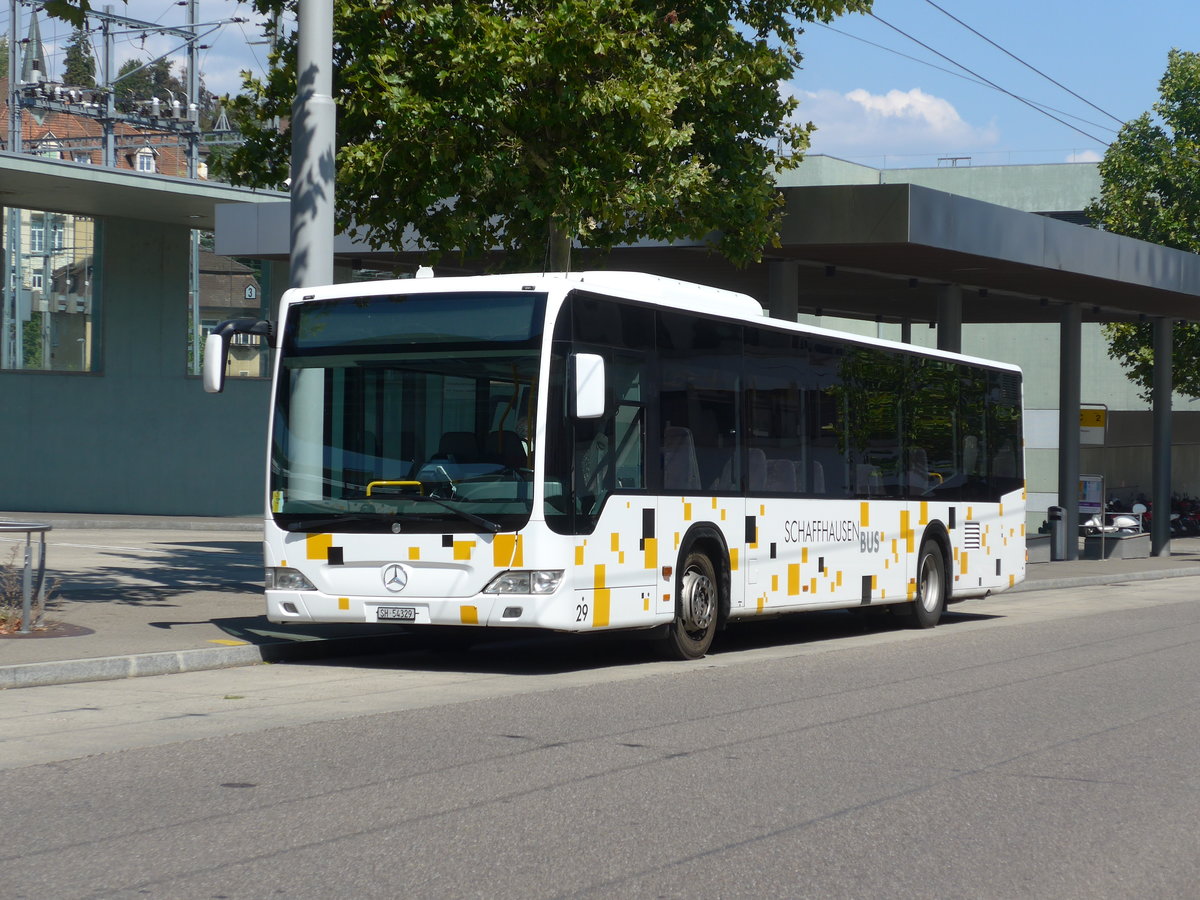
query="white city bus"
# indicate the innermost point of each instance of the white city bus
(603, 450)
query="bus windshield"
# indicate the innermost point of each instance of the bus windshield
(407, 413)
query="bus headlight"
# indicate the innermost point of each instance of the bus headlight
(536, 581)
(280, 579)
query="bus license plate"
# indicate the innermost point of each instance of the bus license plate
(403, 613)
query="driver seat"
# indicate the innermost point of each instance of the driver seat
(505, 448)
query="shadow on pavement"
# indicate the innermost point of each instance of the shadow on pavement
(257, 630)
(162, 572)
(504, 652)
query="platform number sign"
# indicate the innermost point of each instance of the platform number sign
(1093, 424)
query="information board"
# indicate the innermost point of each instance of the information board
(1091, 495)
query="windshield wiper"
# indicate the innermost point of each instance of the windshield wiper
(478, 521)
(380, 518)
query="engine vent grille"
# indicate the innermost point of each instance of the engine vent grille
(972, 536)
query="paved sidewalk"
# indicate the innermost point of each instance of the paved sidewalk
(148, 595)
(145, 595)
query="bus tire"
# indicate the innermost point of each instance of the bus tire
(698, 602)
(926, 609)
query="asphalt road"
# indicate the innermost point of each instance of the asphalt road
(1037, 745)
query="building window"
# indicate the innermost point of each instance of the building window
(82, 156)
(145, 160)
(50, 149)
(37, 234)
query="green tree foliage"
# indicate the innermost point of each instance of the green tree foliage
(73, 11)
(528, 124)
(80, 63)
(1150, 189)
(139, 81)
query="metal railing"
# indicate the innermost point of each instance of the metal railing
(30, 587)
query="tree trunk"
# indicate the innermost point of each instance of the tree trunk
(558, 249)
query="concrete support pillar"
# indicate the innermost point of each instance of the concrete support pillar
(906, 330)
(783, 289)
(1160, 529)
(949, 318)
(1069, 361)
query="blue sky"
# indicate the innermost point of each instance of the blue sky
(881, 109)
(871, 105)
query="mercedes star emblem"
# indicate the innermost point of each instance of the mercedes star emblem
(394, 578)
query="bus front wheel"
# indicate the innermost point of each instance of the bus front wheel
(697, 604)
(926, 608)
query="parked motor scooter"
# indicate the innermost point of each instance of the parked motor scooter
(1189, 515)
(1115, 522)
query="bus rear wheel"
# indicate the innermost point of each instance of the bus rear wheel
(698, 601)
(926, 609)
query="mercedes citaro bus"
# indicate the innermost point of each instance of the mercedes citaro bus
(597, 451)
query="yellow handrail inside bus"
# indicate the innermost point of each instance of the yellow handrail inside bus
(375, 484)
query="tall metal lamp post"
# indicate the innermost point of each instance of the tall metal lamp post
(314, 138)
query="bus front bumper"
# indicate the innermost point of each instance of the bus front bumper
(554, 611)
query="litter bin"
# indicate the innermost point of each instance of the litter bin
(1058, 533)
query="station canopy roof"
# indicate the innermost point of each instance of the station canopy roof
(887, 250)
(871, 251)
(55, 185)
(863, 251)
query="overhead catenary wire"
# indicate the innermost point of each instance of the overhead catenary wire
(1027, 65)
(131, 41)
(960, 75)
(986, 80)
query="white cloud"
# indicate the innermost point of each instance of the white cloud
(897, 123)
(1083, 156)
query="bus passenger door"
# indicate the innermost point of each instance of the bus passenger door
(610, 489)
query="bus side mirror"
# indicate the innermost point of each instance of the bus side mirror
(590, 388)
(216, 348)
(216, 352)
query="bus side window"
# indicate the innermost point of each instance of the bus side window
(700, 390)
(822, 414)
(775, 366)
(681, 471)
(918, 471)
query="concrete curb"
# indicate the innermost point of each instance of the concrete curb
(1048, 584)
(172, 662)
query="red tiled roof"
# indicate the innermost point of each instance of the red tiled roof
(170, 156)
